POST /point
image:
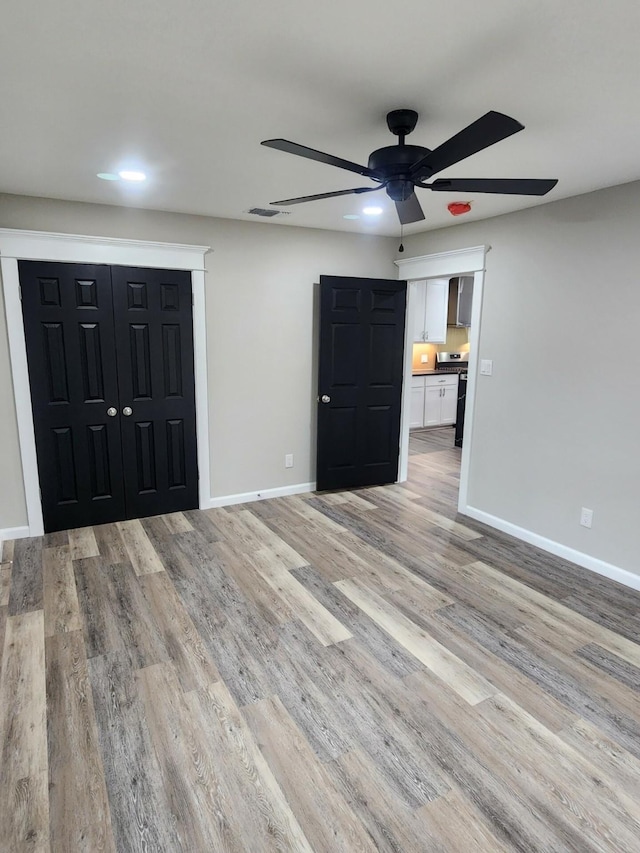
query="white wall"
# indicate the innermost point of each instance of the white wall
(260, 321)
(557, 430)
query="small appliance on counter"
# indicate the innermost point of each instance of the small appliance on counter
(452, 362)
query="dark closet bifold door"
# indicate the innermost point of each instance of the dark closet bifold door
(68, 322)
(154, 345)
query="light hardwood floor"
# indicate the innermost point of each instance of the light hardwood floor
(345, 672)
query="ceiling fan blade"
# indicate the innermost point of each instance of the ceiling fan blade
(320, 156)
(409, 210)
(491, 128)
(508, 186)
(357, 191)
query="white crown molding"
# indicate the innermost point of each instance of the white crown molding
(586, 561)
(455, 262)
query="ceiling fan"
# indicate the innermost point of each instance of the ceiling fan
(400, 168)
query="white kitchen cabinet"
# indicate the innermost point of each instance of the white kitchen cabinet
(437, 303)
(432, 405)
(438, 395)
(416, 417)
(449, 404)
(418, 297)
(429, 304)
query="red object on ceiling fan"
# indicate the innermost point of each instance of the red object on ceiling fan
(457, 208)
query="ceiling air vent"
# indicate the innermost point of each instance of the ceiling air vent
(261, 211)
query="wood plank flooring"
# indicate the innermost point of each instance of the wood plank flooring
(340, 672)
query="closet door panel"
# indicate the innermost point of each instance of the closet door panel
(154, 334)
(69, 331)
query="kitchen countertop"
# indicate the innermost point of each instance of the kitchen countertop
(439, 372)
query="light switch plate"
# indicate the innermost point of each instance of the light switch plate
(424, 359)
(486, 366)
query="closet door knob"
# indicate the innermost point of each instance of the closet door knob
(127, 411)
(112, 412)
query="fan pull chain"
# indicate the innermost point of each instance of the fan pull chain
(401, 247)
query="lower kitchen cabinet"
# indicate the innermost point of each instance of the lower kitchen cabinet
(433, 400)
(416, 418)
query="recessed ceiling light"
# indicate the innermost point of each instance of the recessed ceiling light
(129, 175)
(351, 216)
(107, 176)
(370, 211)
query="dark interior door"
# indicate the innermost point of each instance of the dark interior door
(110, 355)
(68, 321)
(360, 381)
(154, 338)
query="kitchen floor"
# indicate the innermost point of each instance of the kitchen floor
(432, 440)
(350, 671)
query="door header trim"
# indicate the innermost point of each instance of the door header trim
(443, 263)
(73, 248)
(82, 249)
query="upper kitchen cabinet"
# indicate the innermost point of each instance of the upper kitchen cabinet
(460, 301)
(428, 300)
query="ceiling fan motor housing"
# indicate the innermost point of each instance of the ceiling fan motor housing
(392, 165)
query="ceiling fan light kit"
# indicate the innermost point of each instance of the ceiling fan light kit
(399, 169)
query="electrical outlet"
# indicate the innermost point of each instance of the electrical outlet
(586, 517)
(424, 359)
(486, 367)
(288, 460)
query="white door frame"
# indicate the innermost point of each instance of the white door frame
(469, 261)
(72, 248)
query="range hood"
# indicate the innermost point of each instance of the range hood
(460, 299)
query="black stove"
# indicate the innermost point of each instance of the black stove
(456, 362)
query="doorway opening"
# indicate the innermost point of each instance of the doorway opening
(440, 274)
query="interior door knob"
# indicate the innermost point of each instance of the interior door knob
(325, 398)
(112, 412)
(127, 411)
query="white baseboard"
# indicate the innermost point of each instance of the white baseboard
(7, 533)
(608, 570)
(247, 497)
(227, 500)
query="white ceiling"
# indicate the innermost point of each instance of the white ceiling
(187, 89)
